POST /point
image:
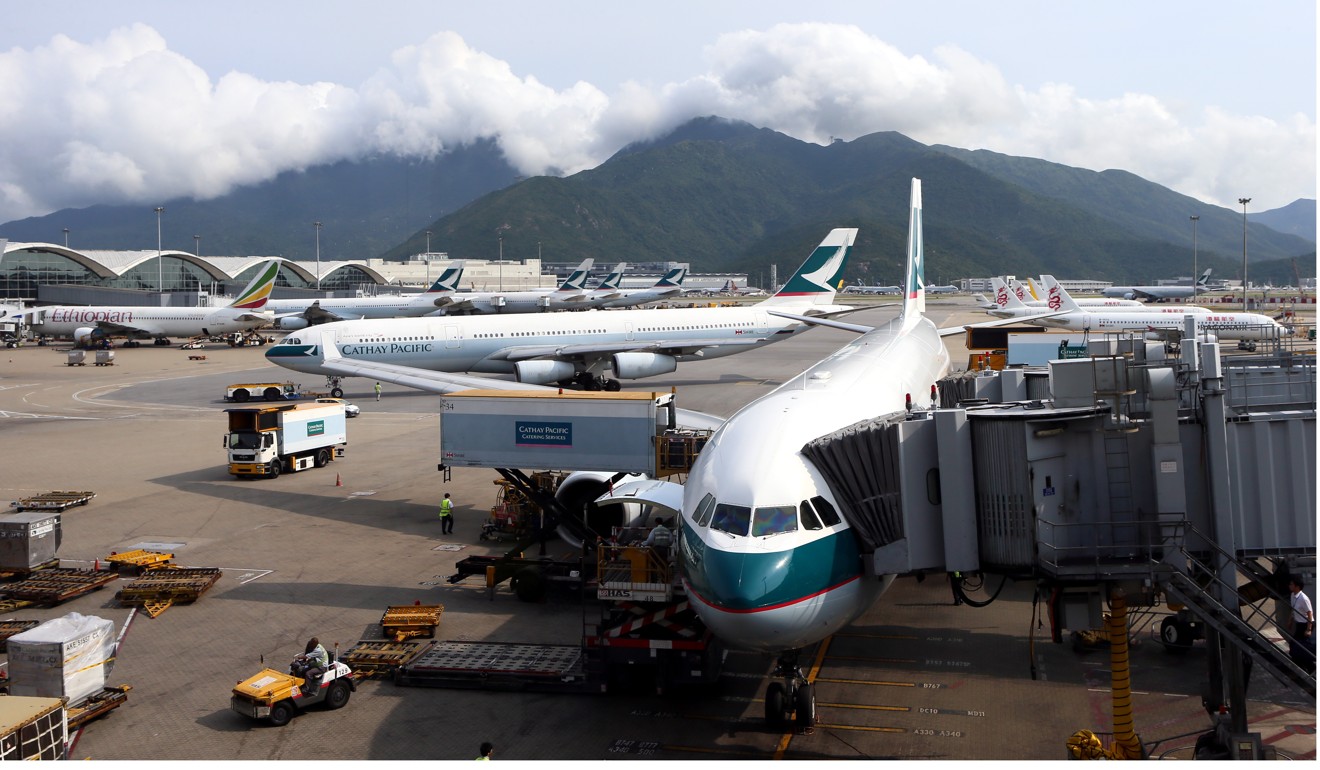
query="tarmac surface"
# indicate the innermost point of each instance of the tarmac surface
(915, 678)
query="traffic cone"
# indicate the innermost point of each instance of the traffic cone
(338, 483)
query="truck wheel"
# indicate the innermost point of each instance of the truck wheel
(271, 394)
(281, 713)
(337, 392)
(337, 696)
(275, 468)
(529, 584)
(322, 458)
(242, 395)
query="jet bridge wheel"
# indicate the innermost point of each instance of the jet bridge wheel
(1176, 635)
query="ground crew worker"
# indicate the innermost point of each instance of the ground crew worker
(660, 538)
(378, 391)
(446, 515)
(486, 749)
(1300, 647)
(311, 664)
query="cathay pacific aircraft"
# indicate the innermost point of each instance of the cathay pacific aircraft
(568, 349)
(669, 285)
(570, 295)
(292, 314)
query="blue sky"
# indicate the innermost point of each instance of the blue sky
(144, 101)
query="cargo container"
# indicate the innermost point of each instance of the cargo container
(28, 539)
(32, 728)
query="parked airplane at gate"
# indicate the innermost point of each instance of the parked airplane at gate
(1165, 323)
(1158, 293)
(86, 324)
(571, 349)
(1007, 305)
(872, 289)
(769, 557)
(570, 295)
(293, 314)
(1035, 294)
(669, 285)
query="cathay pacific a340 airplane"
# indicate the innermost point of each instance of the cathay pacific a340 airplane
(293, 314)
(568, 349)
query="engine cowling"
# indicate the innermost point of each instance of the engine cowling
(292, 323)
(578, 494)
(84, 334)
(543, 372)
(634, 365)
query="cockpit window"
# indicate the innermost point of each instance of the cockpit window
(774, 520)
(809, 518)
(827, 513)
(734, 519)
(704, 510)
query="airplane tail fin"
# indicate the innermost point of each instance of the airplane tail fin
(1056, 298)
(259, 288)
(1036, 292)
(1005, 297)
(578, 278)
(914, 288)
(672, 279)
(1204, 279)
(816, 281)
(448, 280)
(612, 281)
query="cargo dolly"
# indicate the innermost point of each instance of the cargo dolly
(405, 621)
(375, 658)
(99, 704)
(53, 501)
(498, 665)
(51, 587)
(156, 590)
(138, 560)
(17, 572)
(9, 628)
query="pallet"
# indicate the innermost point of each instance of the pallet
(497, 666)
(27, 572)
(409, 620)
(156, 590)
(54, 586)
(372, 658)
(53, 501)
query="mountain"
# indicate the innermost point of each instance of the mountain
(729, 196)
(1297, 218)
(722, 195)
(365, 208)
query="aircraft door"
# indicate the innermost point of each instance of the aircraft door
(762, 323)
(453, 337)
(628, 330)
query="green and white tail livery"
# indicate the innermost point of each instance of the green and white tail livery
(817, 280)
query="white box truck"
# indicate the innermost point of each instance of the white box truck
(268, 440)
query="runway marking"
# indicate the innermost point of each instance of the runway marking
(865, 659)
(930, 686)
(864, 707)
(872, 729)
(249, 574)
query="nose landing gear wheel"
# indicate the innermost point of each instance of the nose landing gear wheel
(775, 706)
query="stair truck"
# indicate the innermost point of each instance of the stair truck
(268, 440)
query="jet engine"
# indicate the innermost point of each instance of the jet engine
(543, 372)
(634, 366)
(292, 323)
(85, 334)
(578, 493)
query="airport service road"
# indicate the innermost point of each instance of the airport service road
(916, 677)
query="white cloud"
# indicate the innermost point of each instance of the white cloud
(126, 119)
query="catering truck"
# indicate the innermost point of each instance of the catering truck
(268, 440)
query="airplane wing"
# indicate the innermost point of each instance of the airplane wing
(944, 332)
(136, 330)
(447, 382)
(315, 314)
(453, 304)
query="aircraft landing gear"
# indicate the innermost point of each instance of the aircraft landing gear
(589, 381)
(792, 701)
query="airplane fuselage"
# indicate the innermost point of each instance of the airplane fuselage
(65, 320)
(481, 343)
(1236, 326)
(402, 306)
(793, 585)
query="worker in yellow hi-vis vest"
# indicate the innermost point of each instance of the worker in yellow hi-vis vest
(447, 515)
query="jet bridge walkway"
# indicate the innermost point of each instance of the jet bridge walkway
(1188, 481)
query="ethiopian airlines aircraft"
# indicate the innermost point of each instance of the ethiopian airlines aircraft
(569, 349)
(136, 322)
(292, 314)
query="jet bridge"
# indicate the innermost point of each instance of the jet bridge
(1186, 480)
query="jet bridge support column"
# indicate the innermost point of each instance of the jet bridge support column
(957, 490)
(1221, 493)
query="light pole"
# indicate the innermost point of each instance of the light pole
(428, 259)
(1195, 278)
(160, 271)
(317, 225)
(501, 263)
(1244, 202)
(197, 245)
(66, 237)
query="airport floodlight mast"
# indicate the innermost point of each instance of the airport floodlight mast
(317, 225)
(501, 263)
(1244, 202)
(427, 258)
(66, 237)
(1195, 278)
(197, 245)
(160, 271)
